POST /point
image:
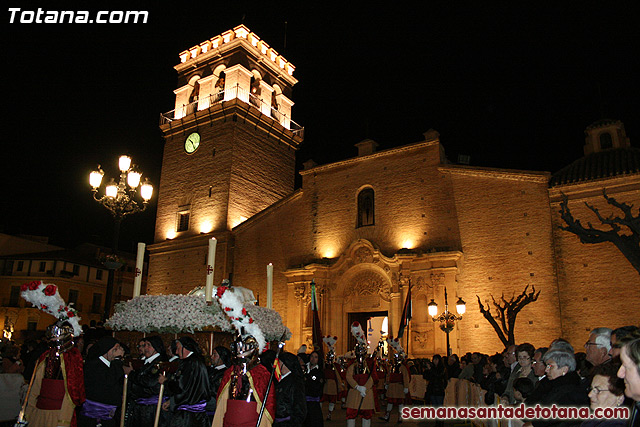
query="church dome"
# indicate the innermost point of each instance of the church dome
(599, 165)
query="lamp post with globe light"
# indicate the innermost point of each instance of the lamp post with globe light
(447, 319)
(119, 199)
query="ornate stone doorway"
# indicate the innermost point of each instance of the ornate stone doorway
(362, 282)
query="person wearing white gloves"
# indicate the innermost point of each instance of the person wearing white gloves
(361, 400)
(397, 385)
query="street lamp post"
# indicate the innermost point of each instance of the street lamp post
(447, 319)
(119, 199)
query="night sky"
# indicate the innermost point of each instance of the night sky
(512, 86)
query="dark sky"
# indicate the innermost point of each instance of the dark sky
(512, 86)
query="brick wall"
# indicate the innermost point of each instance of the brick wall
(507, 244)
(413, 206)
(502, 221)
(234, 173)
(599, 285)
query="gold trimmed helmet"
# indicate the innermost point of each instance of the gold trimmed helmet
(60, 335)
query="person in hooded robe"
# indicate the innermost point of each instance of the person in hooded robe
(220, 361)
(103, 382)
(189, 387)
(144, 388)
(291, 405)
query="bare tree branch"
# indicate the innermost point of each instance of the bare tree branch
(629, 220)
(487, 315)
(627, 244)
(507, 312)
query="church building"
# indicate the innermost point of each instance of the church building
(366, 227)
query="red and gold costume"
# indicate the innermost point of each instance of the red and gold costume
(355, 401)
(398, 380)
(240, 413)
(333, 383)
(58, 387)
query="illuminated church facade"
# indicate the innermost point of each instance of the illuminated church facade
(365, 227)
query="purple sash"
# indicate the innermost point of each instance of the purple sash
(152, 400)
(97, 410)
(198, 407)
(280, 420)
(313, 399)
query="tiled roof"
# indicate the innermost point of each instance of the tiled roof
(604, 164)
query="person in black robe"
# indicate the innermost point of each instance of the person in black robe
(144, 387)
(103, 382)
(220, 361)
(291, 404)
(189, 387)
(314, 384)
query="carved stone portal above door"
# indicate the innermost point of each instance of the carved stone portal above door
(369, 283)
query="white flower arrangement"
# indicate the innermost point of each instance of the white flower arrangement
(238, 315)
(186, 313)
(45, 296)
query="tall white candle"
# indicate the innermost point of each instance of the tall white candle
(211, 262)
(137, 281)
(269, 285)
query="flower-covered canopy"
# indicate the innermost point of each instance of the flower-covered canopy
(188, 313)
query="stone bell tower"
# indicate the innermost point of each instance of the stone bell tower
(229, 151)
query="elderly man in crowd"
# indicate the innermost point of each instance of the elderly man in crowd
(538, 365)
(617, 335)
(510, 359)
(598, 346)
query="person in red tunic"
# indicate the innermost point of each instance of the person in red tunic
(57, 384)
(58, 381)
(244, 385)
(398, 380)
(361, 377)
(333, 381)
(243, 389)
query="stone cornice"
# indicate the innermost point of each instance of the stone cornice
(391, 151)
(195, 241)
(509, 174)
(240, 36)
(267, 211)
(244, 112)
(623, 184)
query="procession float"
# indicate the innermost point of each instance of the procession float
(172, 316)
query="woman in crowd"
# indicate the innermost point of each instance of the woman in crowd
(314, 384)
(437, 378)
(563, 388)
(453, 366)
(493, 381)
(524, 355)
(607, 391)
